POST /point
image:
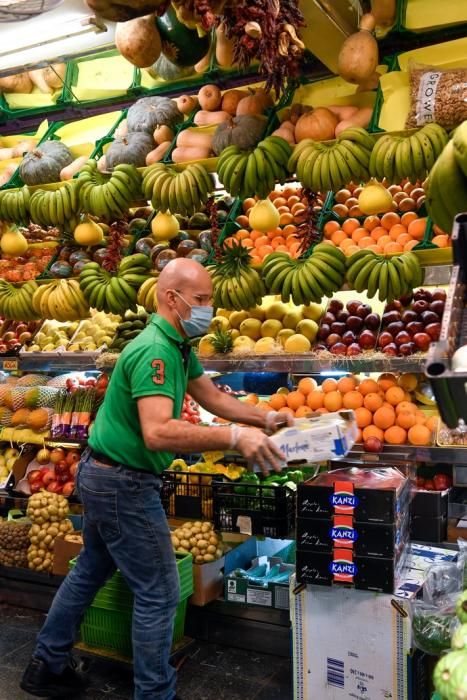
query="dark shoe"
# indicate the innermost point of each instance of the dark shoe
(39, 680)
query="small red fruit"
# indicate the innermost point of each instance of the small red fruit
(372, 444)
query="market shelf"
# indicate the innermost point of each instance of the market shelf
(52, 361)
(314, 364)
(408, 453)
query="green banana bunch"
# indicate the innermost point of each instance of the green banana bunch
(398, 157)
(108, 197)
(182, 192)
(237, 286)
(248, 173)
(61, 300)
(56, 207)
(447, 183)
(14, 205)
(305, 280)
(390, 277)
(16, 302)
(321, 167)
(114, 292)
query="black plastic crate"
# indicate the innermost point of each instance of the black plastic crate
(188, 494)
(449, 387)
(270, 509)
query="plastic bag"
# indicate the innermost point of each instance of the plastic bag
(437, 95)
(433, 625)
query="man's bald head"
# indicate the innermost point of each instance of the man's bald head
(183, 274)
(183, 283)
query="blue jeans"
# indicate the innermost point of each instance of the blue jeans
(124, 527)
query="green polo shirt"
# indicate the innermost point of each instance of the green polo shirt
(151, 365)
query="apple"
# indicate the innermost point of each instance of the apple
(414, 327)
(422, 341)
(437, 306)
(338, 327)
(35, 486)
(333, 338)
(68, 488)
(420, 306)
(61, 467)
(34, 475)
(402, 337)
(407, 348)
(54, 487)
(349, 337)
(395, 305)
(72, 457)
(3, 348)
(373, 444)
(328, 318)
(63, 478)
(384, 339)
(73, 468)
(439, 295)
(57, 455)
(395, 327)
(367, 339)
(335, 305)
(324, 331)
(429, 317)
(391, 317)
(352, 307)
(354, 323)
(363, 310)
(48, 475)
(9, 336)
(408, 316)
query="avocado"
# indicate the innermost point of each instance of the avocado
(199, 221)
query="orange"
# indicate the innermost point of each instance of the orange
(359, 233)
(384, 418)
(350, 225)
(306, 385)
(408, 217)
(294, 247)
(419, 435)
(329, 385)
(365, 242)
(395, 395)
(277, 401)
(338, 236)
(248, 243)
(322, 410)
(260, 240)
(351, 249)
(248, 203)
(333, 401)
(347, 243)
(289, 230)
(373, 431)
(285, 218)
(373, 401)
(395, 435)
(441, 241)
(375, 248)
(281, 249)
(409, 245)
(359, 435)
(254, 235)
(393, 247)
(303, 412)
(386, 381)
(346, 384)
(330, 227)
(396, 231)
(280, 201)
(403, 238)
(340, 209)
(293, 199)
(437, 229)
(408, 381)
(378, 232)
(242, 220)
(432, 423)
(384, 240)
(420, 418)
(251, 398)
(355, 211)
(352, 399)
(295, 399)
(406, 406)
(371, 222)
(315, 399)
(363, 417)
(263, 405)
(265, 250)
(241, 234)
(389, 220)
(368, 386)
(286, 409)
(277, 240)
(416, 229)
(406, 419)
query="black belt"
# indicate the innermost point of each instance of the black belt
(108, 461)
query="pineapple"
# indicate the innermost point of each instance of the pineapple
(222, 341)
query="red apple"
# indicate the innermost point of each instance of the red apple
(395, 327)
(407, 348)
(439, 295)
(414, 327)
(373, 444)
(72, 457)
(402, 337)
(394, 305)
(348, 338)
(35, 486)
(333, 339)
(68, 488)
(354, 323)
(363, 310)
(54, 487)
(390, 349)
(372, 321)
(437, 307)
(339, 349)
(48, 475)
(352, 306)
(324, 331)
(34, 475)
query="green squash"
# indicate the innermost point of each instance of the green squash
(132, 148)
(245, 132)
(149, 112)
(181, 45)
(44, 163)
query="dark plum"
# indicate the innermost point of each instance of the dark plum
(335, 306)
(367, 339)
(395, 327)
(384, 339)
(390, 317)
(354, 349)
(328, 318)
(352, 306)
(429, 317)
(337, 327)
(402, 337)
(363, 310)
(354, 323)
(349, 337)
(323, 331)
(422, 341)
(339, 349)
(372, 322)
(433, 330)
(390, 349)
(408, 316)
(420, 306)
(437, 306)
(342, 316)
(394, 305)
(439, 295)
(407, 348)
(414, 327)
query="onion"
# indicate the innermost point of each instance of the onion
(459, 359)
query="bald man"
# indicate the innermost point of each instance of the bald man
(136, 433)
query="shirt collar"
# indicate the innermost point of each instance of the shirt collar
(167, 329)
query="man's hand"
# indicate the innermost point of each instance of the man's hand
(275, 420)
(257, 448)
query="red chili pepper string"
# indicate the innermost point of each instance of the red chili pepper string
(113, 254)
(308, 231)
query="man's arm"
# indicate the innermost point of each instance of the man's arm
(161, 432)
(226, 406)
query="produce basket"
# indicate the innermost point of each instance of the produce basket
(43, 133)
(269, 510)
(420, 16)
(107, 623)
(188, 494)
(450, 387)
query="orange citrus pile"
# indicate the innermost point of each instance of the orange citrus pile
(383, 408)
(405, 197)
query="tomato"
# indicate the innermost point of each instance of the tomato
(442, 482)
(420, 481)
(429, 485)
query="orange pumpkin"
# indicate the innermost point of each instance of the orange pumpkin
(319, 125)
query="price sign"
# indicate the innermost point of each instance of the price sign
(10, 365)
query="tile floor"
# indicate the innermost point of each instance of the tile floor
(210, 672)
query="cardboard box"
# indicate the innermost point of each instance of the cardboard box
(380, 495)
(349, 644)
(63, 551)
(255, 552)
(365, 539)
(317, 439)
(208, 582)
(343, 567)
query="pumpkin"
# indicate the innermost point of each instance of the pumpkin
(182, 45)
(244, 132)
(45, 163)
(255, 103)
(230, 100)
(319, 125)
(132, 149)
(149, 112)
(165, 69)
(162, 133)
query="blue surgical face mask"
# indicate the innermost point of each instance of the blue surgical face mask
(199, 321)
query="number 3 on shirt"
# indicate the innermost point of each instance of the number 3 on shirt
(159, 371)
